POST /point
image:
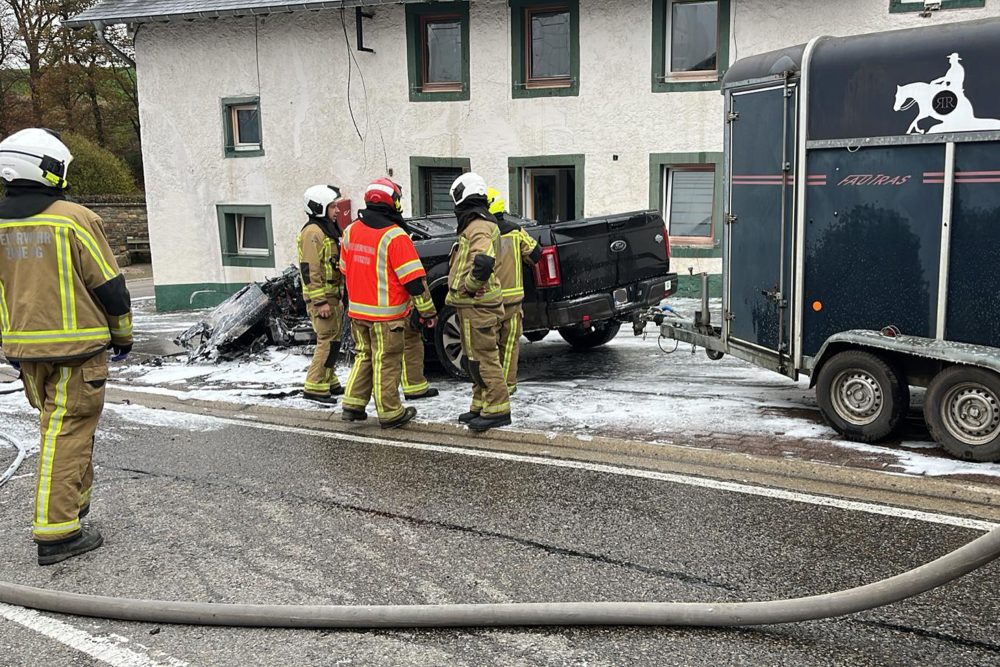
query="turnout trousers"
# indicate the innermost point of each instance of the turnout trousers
(480, 333)
(378, 366)
(509, 342)
(322, 377)
(70, 398)
(414, 381)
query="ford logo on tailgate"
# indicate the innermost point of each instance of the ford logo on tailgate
(618, 246)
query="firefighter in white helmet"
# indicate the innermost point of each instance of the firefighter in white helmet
(322, 289)
(63, 304)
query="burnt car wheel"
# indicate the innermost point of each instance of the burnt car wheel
(962, 411)
(595, 335)
(448, 343)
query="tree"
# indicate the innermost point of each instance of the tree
(35, 21)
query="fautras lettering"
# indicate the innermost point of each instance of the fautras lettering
(875, 179)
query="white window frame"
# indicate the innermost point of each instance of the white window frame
(241, 249)
(528, 186)
(234, 110)
(666, 180)
(669, 74)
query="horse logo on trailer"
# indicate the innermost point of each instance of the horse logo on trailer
(944, 100)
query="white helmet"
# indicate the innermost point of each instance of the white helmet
(318, 198)
(36, 155)
(467, 185)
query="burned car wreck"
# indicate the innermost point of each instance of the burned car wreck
(260, 315)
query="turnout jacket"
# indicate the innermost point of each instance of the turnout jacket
(516, 248)
(479, 237)
(62, 295)
(319, 257)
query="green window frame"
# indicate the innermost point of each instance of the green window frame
(232, 255)
(658, 164)
(521, 86)
(663, 82)
(515, 171)
(417, 18)
(230, 141)
(417, 165)
(898, 6)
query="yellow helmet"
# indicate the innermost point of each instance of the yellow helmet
(497, 203)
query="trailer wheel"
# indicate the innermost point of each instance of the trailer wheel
(962, 411)
(861, 396)
(714, 355)
(448, 344)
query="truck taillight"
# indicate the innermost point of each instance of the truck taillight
(547, 269)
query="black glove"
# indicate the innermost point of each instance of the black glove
(482, 267)
(120, 352)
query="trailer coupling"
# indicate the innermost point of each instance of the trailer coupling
(698, 331)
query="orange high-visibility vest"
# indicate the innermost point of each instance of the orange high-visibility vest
(377, 264)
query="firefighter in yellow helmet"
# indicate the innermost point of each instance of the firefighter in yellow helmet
(63, 304)
(323, 290)
(474, 291)
(516, 249)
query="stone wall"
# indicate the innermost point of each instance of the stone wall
(123, 217)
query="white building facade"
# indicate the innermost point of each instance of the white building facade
(571, 107)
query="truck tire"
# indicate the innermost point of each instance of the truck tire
(536, 336)
(585, 338)
(962, 411)
(861, 396)
(448, 344)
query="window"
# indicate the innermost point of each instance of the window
(545, 38)
(896, 6)
(243, 135)
(432, 178)
(438, 51)
(690, 44)
(687, 190)
(245, 235)
(548, 189)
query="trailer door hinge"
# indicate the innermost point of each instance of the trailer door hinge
(732, 116)
(728, 316)
(731, 218)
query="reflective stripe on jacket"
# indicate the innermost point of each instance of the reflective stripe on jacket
(515, 249)
(377, 263)
(62, 295)
(480, 237)
(319, 257)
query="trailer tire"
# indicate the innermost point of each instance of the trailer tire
(861, 396)
(448, 344)
(587, 337)
(962, 411)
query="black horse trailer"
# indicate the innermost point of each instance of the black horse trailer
(862, 243)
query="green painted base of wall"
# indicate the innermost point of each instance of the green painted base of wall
(690, 286)
(190, 297)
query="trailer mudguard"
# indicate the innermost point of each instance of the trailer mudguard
(948, 352)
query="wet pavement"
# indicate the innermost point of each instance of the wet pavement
(199, 508)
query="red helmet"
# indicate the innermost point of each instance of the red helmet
(385, 191)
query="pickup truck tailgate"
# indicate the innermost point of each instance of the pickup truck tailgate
(585, 257)
(637, 244)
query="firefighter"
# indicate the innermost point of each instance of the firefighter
(475, 293)
(415, 384)
(63, 304)
(385, 280)
(322, 289)
(516, 248)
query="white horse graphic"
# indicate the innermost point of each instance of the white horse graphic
(953, 111)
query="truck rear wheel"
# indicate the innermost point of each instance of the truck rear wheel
(861, 396)
(448, 344)
(536, 336)
(962, 411)
(595, 335)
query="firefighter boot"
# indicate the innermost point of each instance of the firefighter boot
(352, 415)
(88, 539)
(430, 393)
(319, 398)
(483, 424)
(467, 417)
(402, 420)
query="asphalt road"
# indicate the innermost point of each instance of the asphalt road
(197, 509)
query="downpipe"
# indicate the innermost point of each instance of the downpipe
(900, 587)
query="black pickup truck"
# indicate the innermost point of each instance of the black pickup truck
(593, 275)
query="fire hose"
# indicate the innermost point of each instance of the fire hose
(945, 569)
(18, 460)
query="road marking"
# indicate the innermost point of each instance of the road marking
(103, 650)
(674, 478)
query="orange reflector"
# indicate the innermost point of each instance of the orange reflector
(817, 306)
